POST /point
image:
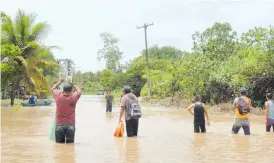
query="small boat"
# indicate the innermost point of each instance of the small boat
(42, 102)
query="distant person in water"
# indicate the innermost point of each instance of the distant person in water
(269, 105)
(109, 101)
(65, 111)
(198, 110)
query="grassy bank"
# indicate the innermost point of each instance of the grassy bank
(223, 108)
(7, 102)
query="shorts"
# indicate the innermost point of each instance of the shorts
(132, 127)
(199, 128)
(270, 122)
(64, 133)
(109, 108)
(241, 123)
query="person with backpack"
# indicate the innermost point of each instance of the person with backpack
(130, 107)
(242, 107)
(199, 112)
(269, 105)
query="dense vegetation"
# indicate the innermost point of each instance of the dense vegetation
(24, 58)
(221, 61)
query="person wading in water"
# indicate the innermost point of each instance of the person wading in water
(269, 105)
(109, 101)
(199, 112)
(65, 111)
(242, 107)
(132, 110)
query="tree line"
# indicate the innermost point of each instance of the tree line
(219, 63)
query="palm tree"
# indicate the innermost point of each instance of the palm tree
(23, 52)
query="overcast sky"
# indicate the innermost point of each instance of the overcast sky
(76, 24)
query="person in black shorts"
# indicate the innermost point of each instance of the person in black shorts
(131, 124)
(66, 101)
(197, 109)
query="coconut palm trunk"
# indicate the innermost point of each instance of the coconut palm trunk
(15, 86)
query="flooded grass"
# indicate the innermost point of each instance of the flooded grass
(7, 102)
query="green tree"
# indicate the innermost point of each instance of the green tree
(217, 42)
(110, 53)
(164, 52)
(24, 36)
(106, 79)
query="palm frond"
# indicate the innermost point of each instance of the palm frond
(54, 47)
(30, 49)
(24, 23)
(37, 31)
(21, 61)
(30, 82)
(40, 80)
(7, 29)
(20, 27)
(47, 64)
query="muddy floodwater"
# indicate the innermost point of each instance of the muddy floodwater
(165, 136)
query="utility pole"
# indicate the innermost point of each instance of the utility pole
(67, 68)
(148, 71)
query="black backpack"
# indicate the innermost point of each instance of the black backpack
(243, 106)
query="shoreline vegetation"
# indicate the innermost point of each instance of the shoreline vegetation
(220, 62)
(221, 109)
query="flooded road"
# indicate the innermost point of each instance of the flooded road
(165, 135)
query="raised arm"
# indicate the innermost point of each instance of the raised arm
(77, 90)
(55, 86)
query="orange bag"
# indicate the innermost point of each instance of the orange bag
(119, 132)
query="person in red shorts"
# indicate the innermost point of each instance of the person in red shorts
(65, 111)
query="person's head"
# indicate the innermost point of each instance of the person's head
(126, 90)
(269, 96)
(67, 88)
(197, 98)
(109, 92)
(243, 91)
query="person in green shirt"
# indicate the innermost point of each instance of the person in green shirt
(109, 101)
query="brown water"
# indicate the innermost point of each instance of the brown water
(165, 135)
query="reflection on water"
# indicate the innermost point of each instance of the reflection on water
(128, 149)
(65, 153)
(132, 152)
(166, 135)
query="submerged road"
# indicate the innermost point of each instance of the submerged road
(165, 135)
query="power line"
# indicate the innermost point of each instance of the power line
(148, 70)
